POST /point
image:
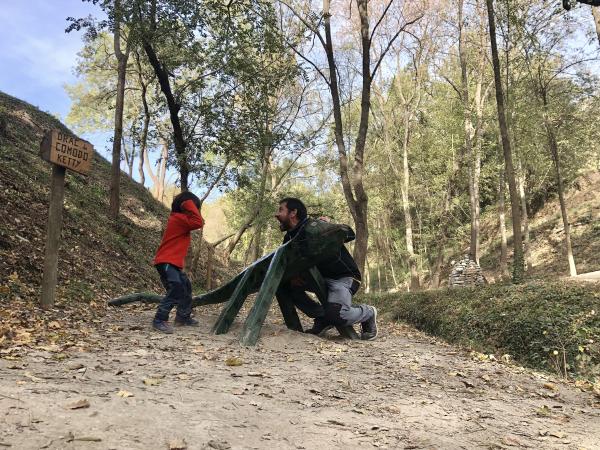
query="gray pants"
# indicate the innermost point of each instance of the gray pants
(338, 310)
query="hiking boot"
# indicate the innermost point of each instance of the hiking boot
(369, 327)
(319, 327)
(163, 326)
(189, 322)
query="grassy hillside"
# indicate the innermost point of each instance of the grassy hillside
(551, 326)
(98, 259)
(547, 234)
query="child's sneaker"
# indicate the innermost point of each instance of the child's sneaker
(162, 326)
(189, 322)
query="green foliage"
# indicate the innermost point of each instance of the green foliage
(548, 326)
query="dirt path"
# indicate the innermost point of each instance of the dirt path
(292, 391)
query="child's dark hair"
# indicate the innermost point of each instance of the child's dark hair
(180, 198)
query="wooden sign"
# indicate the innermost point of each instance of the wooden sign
(64, 151)
(67, 151)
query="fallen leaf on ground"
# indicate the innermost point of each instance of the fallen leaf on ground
(151, 382)
(550, 386)
(32, 377)
(177, 444)
(79, 404)
(219, 445)
(88, 439)
(511, 441)
(558, 434)
(124, 394)
(69, 437)
(234, 361)
(75, 366)
(543, 411)
(336, 422)
(47, 444)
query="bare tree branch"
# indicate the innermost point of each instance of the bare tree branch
(391, 42)
(451, 83)
(215, 181)
(305, 22)
(320, 72)
(380, 19)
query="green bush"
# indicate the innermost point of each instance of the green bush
(548, 326)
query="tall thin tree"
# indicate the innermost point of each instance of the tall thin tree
(518, 262)
(122, 58)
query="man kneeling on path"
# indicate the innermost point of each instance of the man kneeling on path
(340, 273)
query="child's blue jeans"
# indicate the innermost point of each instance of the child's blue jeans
(179, 293)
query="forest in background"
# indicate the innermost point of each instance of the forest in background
(380, 114)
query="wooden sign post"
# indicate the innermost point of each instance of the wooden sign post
(64, 152)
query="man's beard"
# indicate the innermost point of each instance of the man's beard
(283, 226)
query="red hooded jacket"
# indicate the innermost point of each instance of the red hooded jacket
(177, 237)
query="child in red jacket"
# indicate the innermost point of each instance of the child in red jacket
(169, 259)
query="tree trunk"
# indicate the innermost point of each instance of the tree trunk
(480, 99)
(437, 269)
(525, 216)
(378, 268)
(354, 192)
(518, 269)
(209, 266)
(153, 177)
(162, 172)
(559, 181)
(443, 228)
(130, 158)
(404, 190)
(238, 235)
(469, 134)
(257, 247)
(141, 165)
(502, 224)
(146, 124)
(367, 283)
(249, 249)
(125, 153)
(389, 254)
(194, 256)
(260, 198)
(596, 14)
(115, 171)
(174, 107)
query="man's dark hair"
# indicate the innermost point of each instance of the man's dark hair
(180, 198)
(295, 203)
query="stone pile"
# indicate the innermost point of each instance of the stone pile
(466, 272)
